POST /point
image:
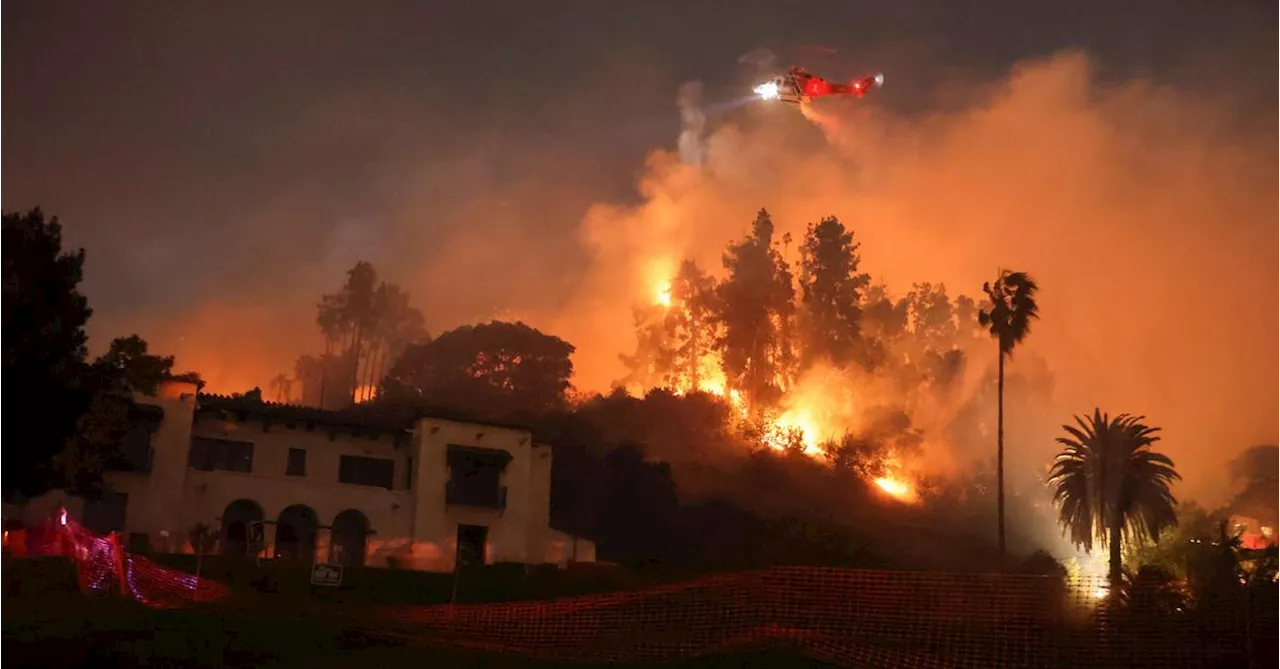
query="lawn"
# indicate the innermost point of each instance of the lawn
(73, 631)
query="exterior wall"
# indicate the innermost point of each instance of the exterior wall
(207, 495)
(155, 499)
(563, 549)
(539, 502)
(435, 528)
(271, 444)
(410, 525)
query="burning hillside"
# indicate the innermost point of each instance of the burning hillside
(819, 362)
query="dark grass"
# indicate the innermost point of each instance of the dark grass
(74, 631)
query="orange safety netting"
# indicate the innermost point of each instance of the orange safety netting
(102, 565)
(847, 617)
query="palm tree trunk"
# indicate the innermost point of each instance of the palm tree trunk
(371, 368)
(355, 361)
(695, 355)
(324, 367)
(1000, 454)
(1115, 568)
(375, 380)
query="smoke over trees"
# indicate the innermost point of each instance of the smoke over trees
(720, 390)
(753, 339)
(757, 310)
(831, 295)
(366, 325)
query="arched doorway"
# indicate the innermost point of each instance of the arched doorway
(296, 534)
(236, 519)
(349, 531)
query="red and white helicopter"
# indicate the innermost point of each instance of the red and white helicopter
(799, 86)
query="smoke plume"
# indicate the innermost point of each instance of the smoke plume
(692, 121)
(1147, 219)
(1145, 210)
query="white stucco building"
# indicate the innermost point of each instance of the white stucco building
(324, 486)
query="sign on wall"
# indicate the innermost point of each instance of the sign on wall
(326, 574)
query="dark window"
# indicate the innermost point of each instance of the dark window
(475, 482)
(209, 455)
(107, 513)
(366, 471)
(135, 452)
(297, 465)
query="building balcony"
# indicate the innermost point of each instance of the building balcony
(458, 493)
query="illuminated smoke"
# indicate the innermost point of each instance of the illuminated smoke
(1038, 171)
(692, 122)
(1141, 207)
(763, 62)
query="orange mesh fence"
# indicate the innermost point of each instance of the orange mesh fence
(846, 617)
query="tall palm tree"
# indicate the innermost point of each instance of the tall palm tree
(1008, 318)
(280, 386)
(1110, 486)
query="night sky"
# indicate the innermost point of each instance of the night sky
(224, 163)
(201, 150)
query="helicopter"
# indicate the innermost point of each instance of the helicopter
(798, 86)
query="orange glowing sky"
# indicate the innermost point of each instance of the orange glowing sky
(1146, 212)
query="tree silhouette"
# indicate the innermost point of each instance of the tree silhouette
(44, 346)
(127, 368)
(757, 310)
(1177, 547)
(675, 339)
(369, 323)
(884, 323)
(281, 387)
(325, 380)
(492, 370)
(1008, 319)
(110, 383)
(691, 323)
(1110, 487)
(653, 362)
(394, 326)
(831, 291)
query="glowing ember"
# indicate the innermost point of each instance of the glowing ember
(896, 488)
(664, 295)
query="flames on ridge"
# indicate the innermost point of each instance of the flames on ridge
(817, 410)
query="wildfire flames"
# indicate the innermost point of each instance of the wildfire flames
(664, 295)
(814, 412)
(896, 488)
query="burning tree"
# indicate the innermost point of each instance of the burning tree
(787, 368)
(831, 295)
(691, 324)
(757, 310)
(676, 338)
(367, 324)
